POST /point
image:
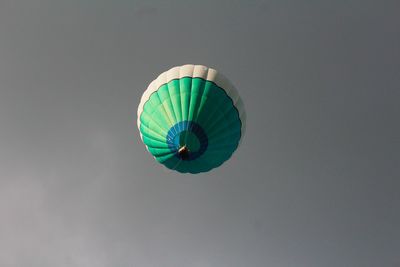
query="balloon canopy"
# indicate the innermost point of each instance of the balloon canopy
(191, 119)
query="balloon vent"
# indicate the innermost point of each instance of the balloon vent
(187, 140)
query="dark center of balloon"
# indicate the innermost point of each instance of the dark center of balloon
(184, 152)
(187, 140)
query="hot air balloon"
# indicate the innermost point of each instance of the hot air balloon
(191, 119)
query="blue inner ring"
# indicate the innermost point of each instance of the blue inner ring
(190, 126)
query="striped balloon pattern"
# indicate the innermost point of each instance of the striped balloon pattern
(191, 119)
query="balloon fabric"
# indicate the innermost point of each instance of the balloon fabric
(191, 119)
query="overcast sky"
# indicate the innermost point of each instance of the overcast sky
(314, 183)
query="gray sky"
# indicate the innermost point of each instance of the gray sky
(315, 182)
